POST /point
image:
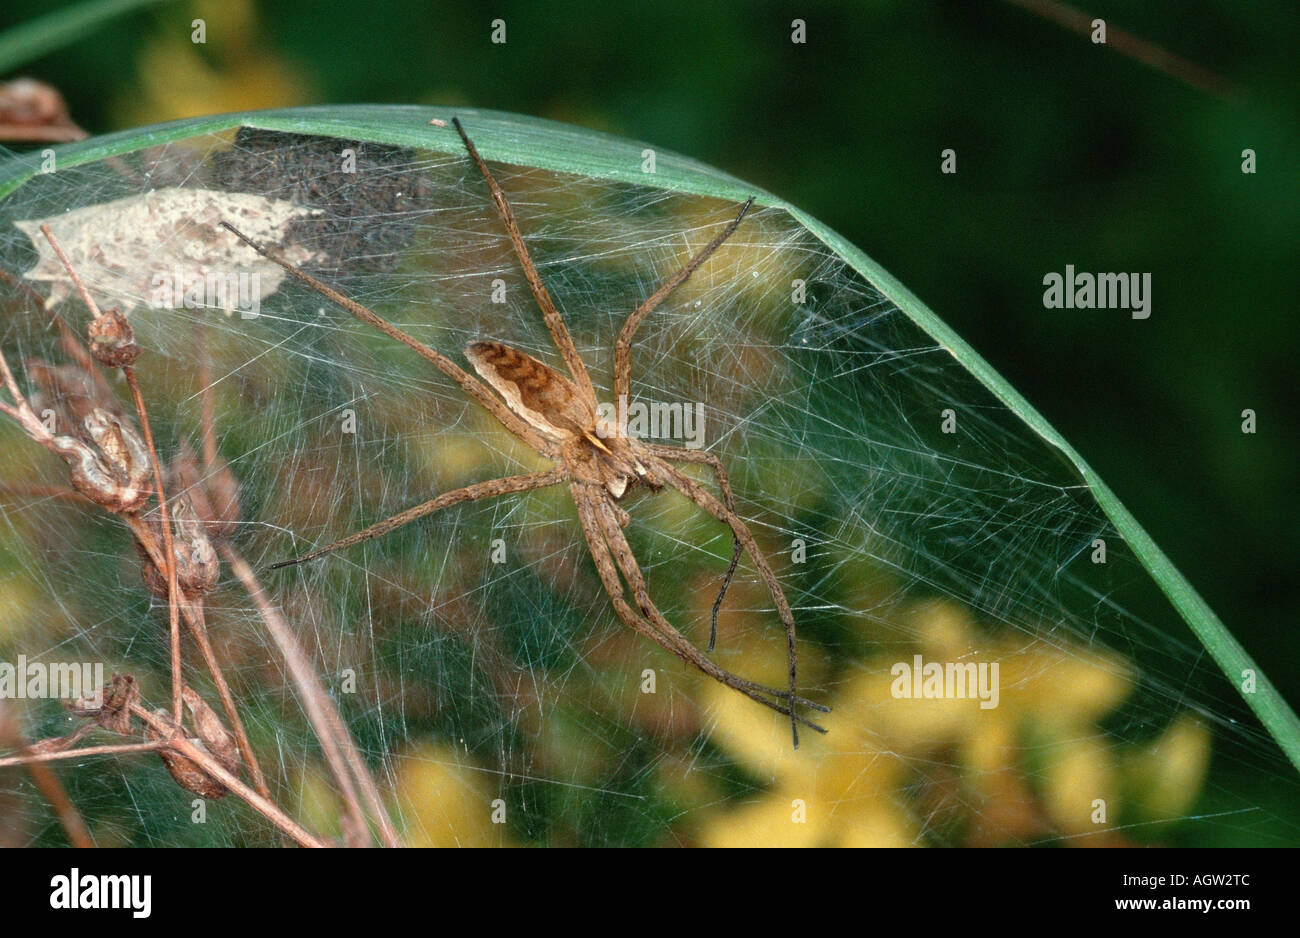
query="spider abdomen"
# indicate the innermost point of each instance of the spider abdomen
(536, 392)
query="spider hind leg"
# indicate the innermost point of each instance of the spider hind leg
(608, 548)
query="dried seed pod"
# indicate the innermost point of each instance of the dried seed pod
(111, 707)
(212, 732)
(31, 110)
(188, 775)
(112, 340)
(213, 738)
(62, 743)
(197, 566)
(110, 466)
(215, 494)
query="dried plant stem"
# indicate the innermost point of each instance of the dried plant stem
(169, 561)
(1125, 43)
(20, 411)
(64, 809)
(35, 758)
(194, 618)
(340, 750)
(163, 558)
(48, 783)
(199, 628)
(169, 550)
(176, 741)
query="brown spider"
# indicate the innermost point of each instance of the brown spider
(557, 417)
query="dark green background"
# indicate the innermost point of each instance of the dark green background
(1068, 153)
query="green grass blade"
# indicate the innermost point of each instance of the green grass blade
(31, 40)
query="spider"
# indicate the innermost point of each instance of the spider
(557, 416)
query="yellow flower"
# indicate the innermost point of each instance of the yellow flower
(443, 801)
(178, 80)
(836, 790)
(1167, 773)
(1030, 763)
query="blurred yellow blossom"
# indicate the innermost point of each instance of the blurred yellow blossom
(1165, 776)
(231, 70)
(445, 801)
(1034, 766)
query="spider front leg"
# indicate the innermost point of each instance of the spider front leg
(627, 563)
(554, 321)
(471, 385)
(604, 536)
(503, 486)
(623, 348)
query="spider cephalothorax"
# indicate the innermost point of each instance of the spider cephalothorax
(558, 416)
(592, 448)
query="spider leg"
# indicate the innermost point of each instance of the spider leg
(724, 486)
(554, 321)
(627, 563)
(468, 382)
(697, 493)
(502, 486)
(603, 536)
(623, 348)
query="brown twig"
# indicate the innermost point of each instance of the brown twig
(176, 741)
(21, 412)
(195, 618)
(35, 758)
(64, 809)
(193, 614)
(339, 748)
(169, 560)
(163, 558)
(48, 783)
(169, 563)
(1125, 43)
